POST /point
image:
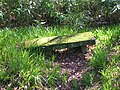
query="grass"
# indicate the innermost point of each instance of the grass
(107, 70)
(20, 68)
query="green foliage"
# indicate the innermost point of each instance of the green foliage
(111, 77)
(88, 79)
(19, 67)
(24, 12)
(78, 13)
(99, 59)
(75, 84)
(105, 38)
(106, 72)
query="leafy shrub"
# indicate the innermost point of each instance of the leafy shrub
(23, 12)
(79, 13)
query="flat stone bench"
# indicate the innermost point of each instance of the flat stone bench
(61, 42)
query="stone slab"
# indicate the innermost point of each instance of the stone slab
(59, 42)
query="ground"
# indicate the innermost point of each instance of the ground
(74, 63)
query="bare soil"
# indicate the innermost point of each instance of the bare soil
(74, 63)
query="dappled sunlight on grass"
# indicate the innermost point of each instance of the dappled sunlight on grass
(20, 68)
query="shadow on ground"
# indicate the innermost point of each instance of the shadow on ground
(73, 63)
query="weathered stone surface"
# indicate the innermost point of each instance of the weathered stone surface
(58, 42)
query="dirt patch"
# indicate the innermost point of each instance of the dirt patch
(74, 63)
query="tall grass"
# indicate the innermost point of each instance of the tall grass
(108, 70)
(20, 68)
(105, 75)
(105, 40)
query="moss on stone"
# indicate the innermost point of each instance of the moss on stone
(58, 40)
